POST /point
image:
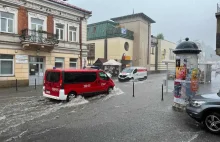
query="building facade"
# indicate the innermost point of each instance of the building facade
(162, 51)
(218, 31)
(140, 24)
(40, 35)
(110, 41)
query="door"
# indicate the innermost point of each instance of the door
(135, 74)
(36, 30)
(102, 82)
(36, 70)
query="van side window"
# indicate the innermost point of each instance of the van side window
(79, 77)
(103, 76)
(53, 76)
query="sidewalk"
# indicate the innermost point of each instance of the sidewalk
(21, 90)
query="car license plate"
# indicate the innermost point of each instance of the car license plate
(48, 92)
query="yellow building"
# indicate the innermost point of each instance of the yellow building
(39, 35)
(165, 53)
(125, 38)
(113, 43)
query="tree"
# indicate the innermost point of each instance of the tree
(160, 36)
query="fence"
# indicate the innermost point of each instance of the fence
(10, 86)
(163, 67)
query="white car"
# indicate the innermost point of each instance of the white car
(133, 73)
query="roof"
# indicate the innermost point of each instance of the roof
(187, 47)
(112, 62)
(71, 6)
(102, 60)
(142, 15)
(102, 22)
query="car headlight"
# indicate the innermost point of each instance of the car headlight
(197, 103)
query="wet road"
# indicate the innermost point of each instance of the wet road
(27, 116)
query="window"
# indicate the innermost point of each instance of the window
(126, 46)
(94, 29)
(79, 77)
(60, 31)
(6, 65)
(72, 33)
(171, 57)
(152, 50)
(59, 62)
(103, 76)
(53, 76)
(73, 62)
(36, 26)
(6, 22)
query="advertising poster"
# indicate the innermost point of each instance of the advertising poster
(194, 80)
(179, 83)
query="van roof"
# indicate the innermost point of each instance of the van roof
(136, 67)
(75, 70)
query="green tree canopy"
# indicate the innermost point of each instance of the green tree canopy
(160, 36)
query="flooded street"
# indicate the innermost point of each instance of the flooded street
(114, 117)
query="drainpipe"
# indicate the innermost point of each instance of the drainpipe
(106, 44)
(148, 49)
(80, 41)
(156, 56)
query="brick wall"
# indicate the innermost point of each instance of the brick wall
(50, 24)
(22, 19)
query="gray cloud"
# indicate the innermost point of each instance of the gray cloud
(174, 18)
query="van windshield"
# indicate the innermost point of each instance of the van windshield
(127, 70)
(53, 76)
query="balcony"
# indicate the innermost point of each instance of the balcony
(32, 39)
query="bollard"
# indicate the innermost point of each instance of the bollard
(35, 84)
(162, 93)
(133, 88)
(16, 84)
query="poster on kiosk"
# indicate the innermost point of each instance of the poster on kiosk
(186, 81)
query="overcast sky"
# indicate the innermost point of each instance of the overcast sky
(174, 18)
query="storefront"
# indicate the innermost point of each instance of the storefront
(27, 66)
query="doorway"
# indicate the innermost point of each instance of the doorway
(36, 70)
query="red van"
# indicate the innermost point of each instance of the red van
(66, 84)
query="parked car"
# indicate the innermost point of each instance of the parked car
(206, 109)
(131, 73)
(66, 84)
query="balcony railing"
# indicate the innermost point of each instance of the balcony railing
(40, 37)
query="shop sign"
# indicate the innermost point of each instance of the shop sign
(21, 59)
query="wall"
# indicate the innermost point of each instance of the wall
(140, 43)
(99, 48)
(21, 71)
(162, 44)
(115, 48)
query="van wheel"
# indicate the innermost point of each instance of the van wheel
(212, 122)
(109, 90)
(145, 77)
(71, 96)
